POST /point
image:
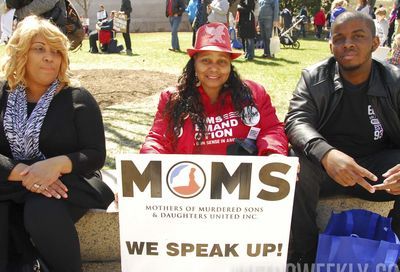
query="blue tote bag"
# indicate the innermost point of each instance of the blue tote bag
(358, 240)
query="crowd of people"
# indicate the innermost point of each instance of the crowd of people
(52, 136)
(256, 21)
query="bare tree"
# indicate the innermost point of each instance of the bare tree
(85, 5)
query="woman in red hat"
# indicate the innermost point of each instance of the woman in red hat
(211, 110)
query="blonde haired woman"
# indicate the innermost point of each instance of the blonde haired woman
(52, 146)
(337, 8)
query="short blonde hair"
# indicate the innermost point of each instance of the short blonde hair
(381, 11)
(20, 42)
(338, 3)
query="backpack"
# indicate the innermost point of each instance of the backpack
(73, 27)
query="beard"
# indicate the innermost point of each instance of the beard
(349, 68)
(354, 67)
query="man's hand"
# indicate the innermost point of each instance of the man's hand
(344, 170)
(392, 181)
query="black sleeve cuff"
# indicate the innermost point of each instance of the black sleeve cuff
(317, 149)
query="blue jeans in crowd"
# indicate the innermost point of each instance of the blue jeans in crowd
(266, 33)
(249, 45)
(175, 21)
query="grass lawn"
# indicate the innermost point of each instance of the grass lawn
(279, 76)
(127, 123)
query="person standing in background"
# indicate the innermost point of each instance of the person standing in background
(392, 22)
(218, 11)
(319, 22)
(363, 7)
(268, 18)
(246, 26)
(101, 14)
(191, 10)
(337, 8)
(304, 16)
(328, 25)
(381, 25)
(126, 7)
(286, 16)
(200, 17)
(174, 10)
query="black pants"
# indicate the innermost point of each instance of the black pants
(42, 227)
(314, 183)
(32, 224)
(390, 33)
(303, 29)
(127, 36)
(51, 226)
(93, 38)
(319, 31)
(193, 36)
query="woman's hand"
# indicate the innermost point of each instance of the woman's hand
(15, 174)
(57, 189)
(40, 175)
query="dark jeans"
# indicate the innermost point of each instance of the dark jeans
(314, 183)
(266, 33)
(319, 31)
(127, 36)
(390, 34)
(303, 29)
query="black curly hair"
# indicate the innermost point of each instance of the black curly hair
(186, 102)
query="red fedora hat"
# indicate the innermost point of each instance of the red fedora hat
(213, 37)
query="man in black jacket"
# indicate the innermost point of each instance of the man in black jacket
(126, 7)
(344, 125)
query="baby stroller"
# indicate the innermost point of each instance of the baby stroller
(290, 36)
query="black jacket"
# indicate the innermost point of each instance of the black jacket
(318, 93)
(106, 24)
(126, 7)
(178, 7)
(246, 25)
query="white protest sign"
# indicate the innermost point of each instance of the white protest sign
(120, 22)
(205, 213)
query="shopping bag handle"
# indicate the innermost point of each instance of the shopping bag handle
(275, 31)
(373, 220)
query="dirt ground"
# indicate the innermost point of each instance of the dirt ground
(111, 87)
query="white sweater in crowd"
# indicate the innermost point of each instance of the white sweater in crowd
(219, 10)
